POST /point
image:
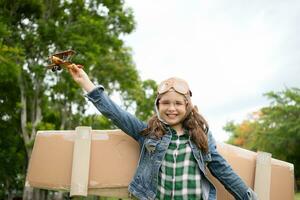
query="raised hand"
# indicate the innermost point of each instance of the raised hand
(80, 77)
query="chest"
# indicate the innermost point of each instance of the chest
(172, 147)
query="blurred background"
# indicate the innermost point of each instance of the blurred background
(241, 59)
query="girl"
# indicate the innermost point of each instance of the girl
(176, 145)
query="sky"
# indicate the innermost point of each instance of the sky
(231, 52)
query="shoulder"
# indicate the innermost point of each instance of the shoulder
(212, 147)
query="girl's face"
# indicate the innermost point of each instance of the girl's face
(172, 109)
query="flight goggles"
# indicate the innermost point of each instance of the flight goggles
(179, 85)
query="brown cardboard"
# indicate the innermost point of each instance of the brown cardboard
(243, 163)
(113, 161)
(114, 157)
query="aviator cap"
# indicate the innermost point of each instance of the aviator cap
(179, 85)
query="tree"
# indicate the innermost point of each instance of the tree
(12, 151)
(275, 128)
(31, 30)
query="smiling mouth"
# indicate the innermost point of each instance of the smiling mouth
(172, 115)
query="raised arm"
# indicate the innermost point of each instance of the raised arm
(220, 169)
(121, 118)
(80, 77)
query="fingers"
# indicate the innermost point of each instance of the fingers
(73, 68)
(77, 68)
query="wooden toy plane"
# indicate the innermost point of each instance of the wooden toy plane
(62, 60)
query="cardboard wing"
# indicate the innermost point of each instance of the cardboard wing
(113, 160)
(65, 160)
(244, 163)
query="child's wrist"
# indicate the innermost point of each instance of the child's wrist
(88, 86)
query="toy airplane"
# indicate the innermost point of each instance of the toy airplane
(62, 60)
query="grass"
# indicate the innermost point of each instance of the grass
(297, 196)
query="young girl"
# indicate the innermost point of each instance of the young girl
(176, 145)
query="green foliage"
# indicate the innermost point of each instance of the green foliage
(97, 122)
(12, 152)
(274, 129)
(145, 101)
(297, 196)
(32, 98)
(13, 159)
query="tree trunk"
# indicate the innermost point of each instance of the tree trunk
(27, 192)
(63, 119)
(30, 193)
(38, 194)
(59, 195)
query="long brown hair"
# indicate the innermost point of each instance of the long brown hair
(194, 122)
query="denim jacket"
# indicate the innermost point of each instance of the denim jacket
(144, 183)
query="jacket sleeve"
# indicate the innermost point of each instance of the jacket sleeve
(121, 118)
(220, 169)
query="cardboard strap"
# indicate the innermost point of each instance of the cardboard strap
(81, 161)
(262, 183)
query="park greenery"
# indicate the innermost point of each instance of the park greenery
(33, 98)
(274, 128)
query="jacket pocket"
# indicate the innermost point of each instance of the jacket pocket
(151, 145)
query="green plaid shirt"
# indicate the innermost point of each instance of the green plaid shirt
(179, 176)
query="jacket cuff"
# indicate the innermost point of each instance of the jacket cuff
(95, 94)
(251, 195)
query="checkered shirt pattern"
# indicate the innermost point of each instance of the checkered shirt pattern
(179, 176)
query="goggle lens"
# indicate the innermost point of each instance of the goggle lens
(179, 86)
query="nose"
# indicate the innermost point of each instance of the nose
(172, 106)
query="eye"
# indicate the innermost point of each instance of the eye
(165, 103)
(179, 103)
